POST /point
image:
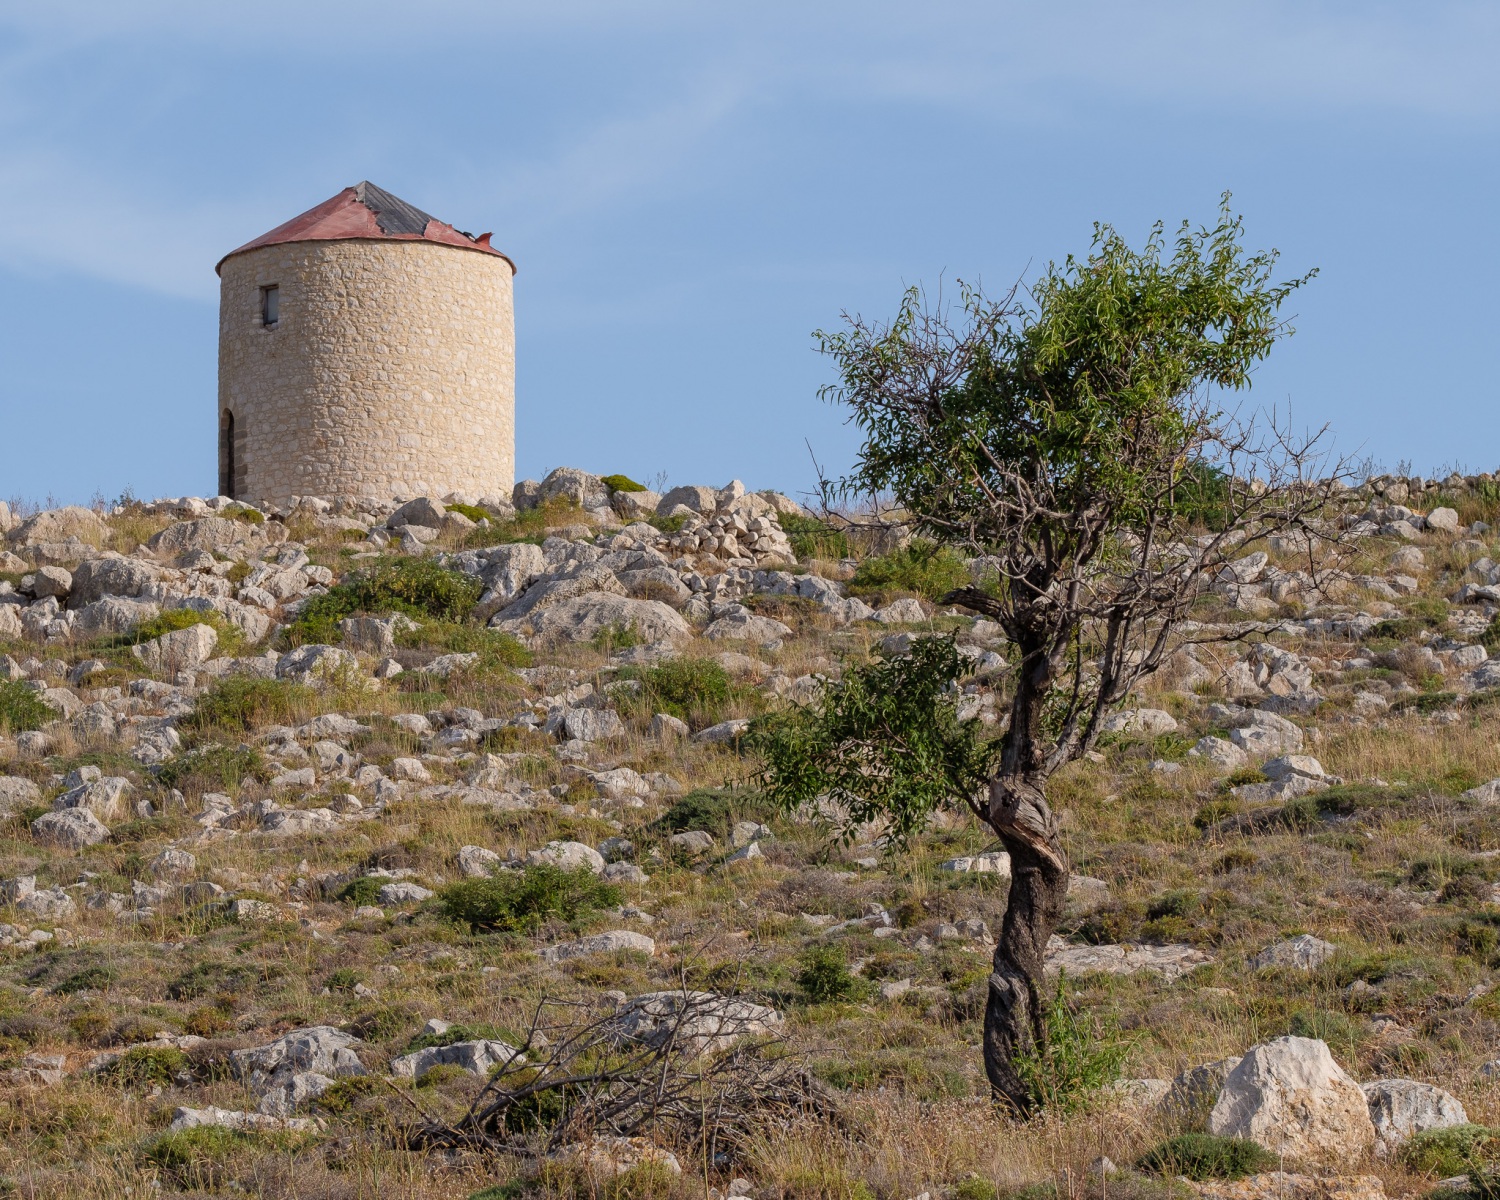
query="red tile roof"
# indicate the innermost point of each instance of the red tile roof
(366, 211)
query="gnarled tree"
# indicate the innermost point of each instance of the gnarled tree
(1069, 437)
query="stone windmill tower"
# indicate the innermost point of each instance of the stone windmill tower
(366, 348)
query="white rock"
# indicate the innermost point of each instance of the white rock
(410, 769)
(1222, 753)
(599, 943)
(1304, 952)
(478, 1057)
(72, 827)
(1400, 1108)
(317, 664)
(1139, 720)
(593, 724)
(570, 856)
(907, 611)
(403, 892)
(703, 1020)
(476, 862)
(180, 650)
(1445, 519)
(1289, 1095)
(665, 726)
(1169, 962)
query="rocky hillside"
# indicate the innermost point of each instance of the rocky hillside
(324, 828)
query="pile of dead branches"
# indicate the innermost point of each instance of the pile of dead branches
(577, 1078)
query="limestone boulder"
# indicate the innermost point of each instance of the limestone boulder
(73, 828)
(16, 791)
(1150, 721)
(1290, 1096)
(60, 525)
(1303, 952)
(51, 581)
(704, 1021)
(316, 664)
(478, 1057)
(582, 618)
(180, 650)
(216, 535)
(600, 943)
(1400, 1108)
(108, 798)
(592, 724)
(113, 614)
(1194, 1093)
(702, 500)
(570, 856)
(423, 511)
(575, 486)
(111, 575)
(747, 627)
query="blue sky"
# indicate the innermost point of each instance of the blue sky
(689, 189)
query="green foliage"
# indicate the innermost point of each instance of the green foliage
(925, 568)
(87, 979)
(472, 511)
(20, 709)
(814, 538)
(622, 483)
(240, 512)
(459, 1033)
(214, 768)
(1087, 392)
(695, 690)
(617, 635)
(188, 1147)
(1077, 1059)
(497, 651)
(360, 891)
(714, 810)
(1202, 1156)
(345, 979)
(1201, 496)
(522, 901)
(825, 976)
(148, 1066)
(516, 1189)
(238, 702)
(170, 620)
(885, 742)
(975, 1187)
(1452, 1151)
(417, 587)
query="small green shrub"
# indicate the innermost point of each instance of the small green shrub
(238, 702)
(460, 1033)
(346, 1093)
(1078, 1058)
(812, 538)
(714, 810)
(21, 710)
(239, 512)
(1202, 1156)
(923, 567)
(148, 1066)
(1452, 1151)
(361, 891)
(825, 976)
(231, 638)
(521, 901)
(417, 587)
(87, 979)
(214, 768)
(622, 483)
(472, 511)
(345, 979)
(975, 1187)
(617, 635)
(497, 651)
(1201, 497)
(695, 690)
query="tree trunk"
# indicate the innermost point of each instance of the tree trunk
(1013, 1016)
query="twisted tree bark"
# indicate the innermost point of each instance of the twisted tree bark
(1013, 1018)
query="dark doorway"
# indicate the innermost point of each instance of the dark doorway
(226, 454)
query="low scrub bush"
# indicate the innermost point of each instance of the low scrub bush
(825, 976)
(20, 710)
(417, 587)
(1452, 1151)
(695, 690)
(496, 650)
(622, 483)
(714, 810)
(231, 638)
(1080, 1057)
(240, 703)
(148, 1066)
(1202, 1156)
(472, 511)
(522, 901)
(925, 568)
(214, 768)
(812, 538)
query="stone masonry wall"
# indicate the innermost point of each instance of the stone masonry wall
(390, 372)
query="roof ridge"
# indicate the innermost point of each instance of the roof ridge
(392, 214)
